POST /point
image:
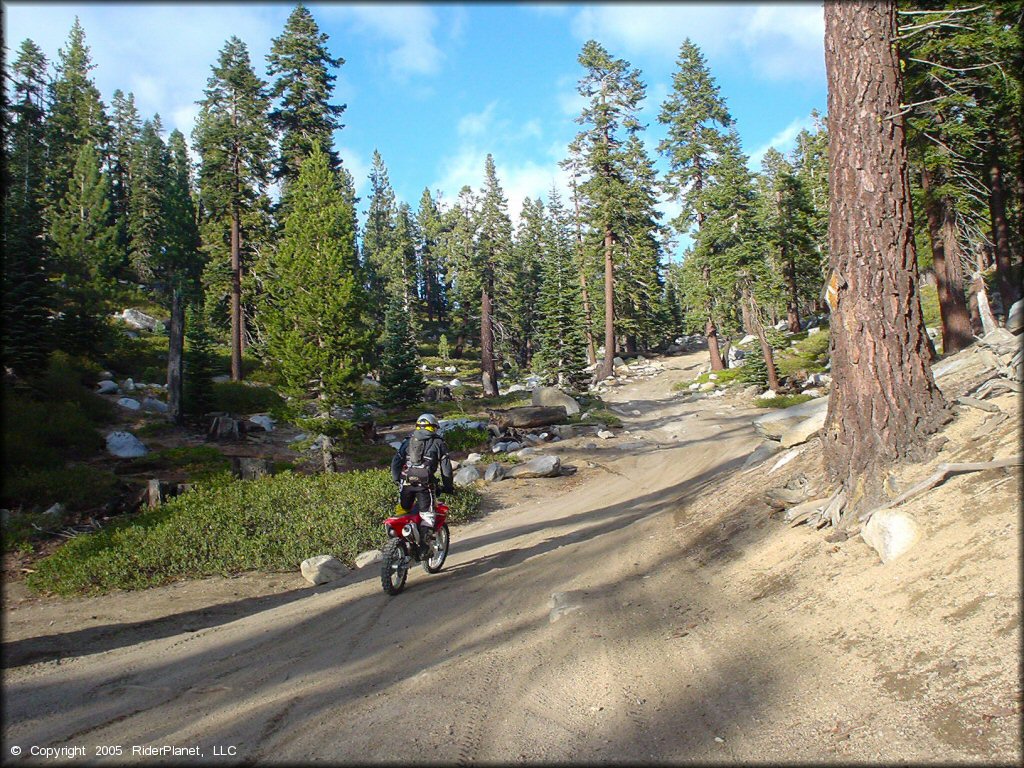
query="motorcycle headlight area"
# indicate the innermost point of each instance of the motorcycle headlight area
(409, 531)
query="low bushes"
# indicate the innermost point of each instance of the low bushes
(240, 398)
(782, 401)
(225, 527)
(465, 439)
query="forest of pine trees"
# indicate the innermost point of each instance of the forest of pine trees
(257, 246)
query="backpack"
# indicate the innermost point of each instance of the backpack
(419, 468)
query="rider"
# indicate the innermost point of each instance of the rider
(413, 467)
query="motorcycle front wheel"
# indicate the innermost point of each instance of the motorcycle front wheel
(394, 567)
(434, 562)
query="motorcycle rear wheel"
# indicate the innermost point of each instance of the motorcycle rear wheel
(394, 567)
(434, 563)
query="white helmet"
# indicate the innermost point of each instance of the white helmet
(427, 420)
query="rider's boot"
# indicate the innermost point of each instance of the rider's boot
(427, 537)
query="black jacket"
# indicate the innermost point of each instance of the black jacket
(434, 449)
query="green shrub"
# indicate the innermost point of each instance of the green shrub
(782, 401)
(239, 398)
(755, 370)
(809, 355)
(465, 439)
(227, 527)
(132, 357)
(596, 415)
(930, 306)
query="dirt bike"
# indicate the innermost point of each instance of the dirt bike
(404, 545)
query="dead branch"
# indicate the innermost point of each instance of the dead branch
(941, 473)
(981, 405)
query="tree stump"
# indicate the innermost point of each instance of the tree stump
(248, 468)
(157, 492)
(223, 428)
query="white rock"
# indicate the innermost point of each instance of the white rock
(466, 476)
(153, 405)
(56, 511)
(694, 387)
(322, 569)
(454, 383)
(890, 533)
(553, 396)
(747, 339)
(812, 331)
(494, 473)
(707, 386)
(140, 320)
(768, 394)
(712, 377)
(813, 392)
(125, 445)
(1015, 317)
(618, 362)
(785, 459)
(129, 403)
(106, 387)
(128, 385)
(396, 444)
(604, 434)
(264, 420)
(541, 466)
(524, 452)
(221, 379)
(369, 557)
(369, 381)
(805, 430)
(775, 424)
(473, 458)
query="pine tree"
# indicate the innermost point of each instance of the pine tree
(314, 313)
(127, 127)
(84, 244)
(200, 364)
(613, 91)
(76, 114)
(810, 163)
(493, 248)
(400, 378)
(457, 246)
(379, 237)
(430, 226)
(561, 354)
(518, 283)
(146, 225)
(697, 120)
(305, 117)
(26, 295)
(232, 138)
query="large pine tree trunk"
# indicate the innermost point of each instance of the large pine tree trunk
(716, 356)
(766, 347)
(489, 373)
(956, 320)
(605, 369)
(236, 297)
(175, 357)
(793, 306)
(1000, 226)
(884, 402)
(588, 317)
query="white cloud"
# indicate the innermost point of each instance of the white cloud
(409, 28)
(357, 166)
(477, 123)
(783, 141)
(161, 53)
(776, 42)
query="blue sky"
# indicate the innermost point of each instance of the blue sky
(435, 87)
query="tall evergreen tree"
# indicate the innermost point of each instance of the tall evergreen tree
(810, 163)
(518, 284)
(458, 248)
(884, 402)
(314, 313)
(232, 138)
(146, 221)
(126, 129)
(76, 113)
(302, 65)
(698, 121)
(561, 354)
(400, 378)
(613, 91)
(84, 244)
(379, 237)
(430, 226)
(493, 248)
(200, 363)
(25, 289)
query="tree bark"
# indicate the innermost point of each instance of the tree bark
(1000, 226)
(588, 317)
(236, 300)
(488, 373)
(884, 402)
(605, 370)
(766, 348)
(793, 306)
(716, 356)
(175, 348)
(956, 320)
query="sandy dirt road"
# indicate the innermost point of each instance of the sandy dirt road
(609, 617)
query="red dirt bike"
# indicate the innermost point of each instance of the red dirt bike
(404, 545)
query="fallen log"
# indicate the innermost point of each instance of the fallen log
(941, 473)
(529, 416)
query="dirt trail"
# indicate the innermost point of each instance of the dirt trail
(645, 609)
